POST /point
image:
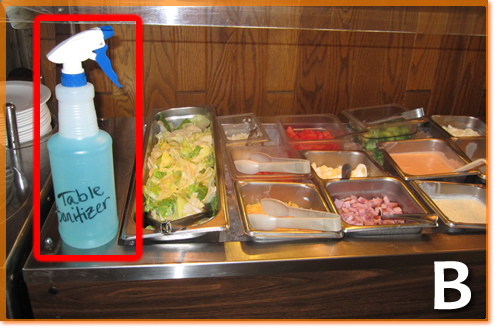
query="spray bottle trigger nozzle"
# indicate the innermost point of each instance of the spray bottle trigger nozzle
(107, 31)
(103, 61)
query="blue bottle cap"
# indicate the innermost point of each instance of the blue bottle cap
(73, 80)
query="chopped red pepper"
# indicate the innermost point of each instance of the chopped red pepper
(309, 135)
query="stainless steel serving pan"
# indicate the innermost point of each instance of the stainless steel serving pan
(334, 159)
(315, 122)
(370, 188)
(197, 226)
(461, 122)
(430, 190)
(246, 123)
(305, 195)
(425, 145)
(361, 120)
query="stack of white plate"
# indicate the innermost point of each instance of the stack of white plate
(20, 93)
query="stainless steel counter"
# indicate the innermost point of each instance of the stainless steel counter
(235, 255)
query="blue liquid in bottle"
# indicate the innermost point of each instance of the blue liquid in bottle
(81, 160)
(85, 189)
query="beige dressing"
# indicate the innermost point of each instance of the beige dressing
(462, 209)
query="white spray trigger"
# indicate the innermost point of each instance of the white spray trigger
(88, 44)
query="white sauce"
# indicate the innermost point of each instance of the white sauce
(239, 136)
(462, 209)
(461, 132)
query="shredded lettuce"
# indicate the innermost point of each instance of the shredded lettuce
(165, 124)
(181, 125)
(181, 170)
(200, 121)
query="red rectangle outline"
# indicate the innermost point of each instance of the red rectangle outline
(36, 135)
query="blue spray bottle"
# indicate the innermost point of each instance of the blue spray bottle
(81, 157)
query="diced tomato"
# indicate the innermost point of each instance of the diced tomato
(327, 134)
(307, 135)
(291, 133)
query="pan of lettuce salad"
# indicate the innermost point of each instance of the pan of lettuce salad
(183, 180)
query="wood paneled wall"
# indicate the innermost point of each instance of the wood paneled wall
(284, 71)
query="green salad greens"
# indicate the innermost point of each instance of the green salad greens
(387, 133)
(181, 170)
(390, 131)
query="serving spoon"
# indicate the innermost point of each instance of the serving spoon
(266, 158)
(267, 223)
(252, 167)
(472, 165)
(278, 208)
(253, 132)
(406, 115)
(346, 171)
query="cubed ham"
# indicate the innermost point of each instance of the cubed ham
(338, 203)
(376, 202)
(358, 220)
(361, 211)
(389, 210)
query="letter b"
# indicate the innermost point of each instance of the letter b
(82, 197)
(440, 284)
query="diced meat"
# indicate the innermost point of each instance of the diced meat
(338, 203)
(361, 211)
(376, 202)
(370, 222)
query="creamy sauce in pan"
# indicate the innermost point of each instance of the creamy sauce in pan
(424, 163)
(462, 209)
(460, 132)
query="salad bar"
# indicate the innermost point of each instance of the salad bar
(186, 160)
(207, 217)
